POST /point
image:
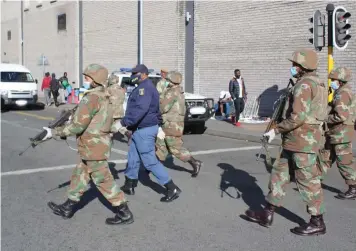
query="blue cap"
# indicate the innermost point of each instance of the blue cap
(140, 68)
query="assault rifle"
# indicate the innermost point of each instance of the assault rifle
(276, 118)
(59, 121)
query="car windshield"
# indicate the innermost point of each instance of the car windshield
(7, 76)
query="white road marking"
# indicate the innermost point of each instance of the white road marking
(226, 150)
(55, 168)
(38, 130)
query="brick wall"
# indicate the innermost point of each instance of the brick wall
(164, 35)
(110, 33)
(256, 37)
(41, 36)
(10, 21)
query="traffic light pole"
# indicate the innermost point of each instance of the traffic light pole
(330, 9)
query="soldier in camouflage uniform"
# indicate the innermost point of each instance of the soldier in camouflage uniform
(341, 122)
(91, 124)
(162, 84)
(172, 108)
(117, 99)
(305, 113)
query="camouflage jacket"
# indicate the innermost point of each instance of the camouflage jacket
(340, 131)
(297, 134)
(91, 124)
(172, 108)
(161, 86)
(117, 99)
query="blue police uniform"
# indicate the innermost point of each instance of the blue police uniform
(143, 118)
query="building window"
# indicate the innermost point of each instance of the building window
(53, 1)
(8, 35)
(62, 22)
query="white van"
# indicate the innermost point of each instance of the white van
(17, 86)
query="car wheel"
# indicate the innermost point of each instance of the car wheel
(198, 128)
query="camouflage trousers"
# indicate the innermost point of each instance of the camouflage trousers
(173, 145)
(342, 154)
(307, 175)
(100, 173)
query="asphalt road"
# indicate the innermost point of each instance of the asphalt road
(203, 218)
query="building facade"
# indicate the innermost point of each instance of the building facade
(205, 40)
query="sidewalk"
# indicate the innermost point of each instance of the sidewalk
(247, 131)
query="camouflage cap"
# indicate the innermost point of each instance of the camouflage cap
(113, 79)
(98, 73)
(174, 77)
(341, 73)
(164, 70)
(307, 58)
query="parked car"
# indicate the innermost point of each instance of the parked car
(17, 86)
(198, 108)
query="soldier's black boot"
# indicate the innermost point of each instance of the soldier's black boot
(196, 164)
(172, 192)
(123, 215)
(349, 194)
(129, 186)
(316, 226)
(66, 210)
(263, 217)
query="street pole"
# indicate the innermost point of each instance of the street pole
(330, 9)
(141, 31)
(22, 51)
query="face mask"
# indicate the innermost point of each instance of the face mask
(135, 79)
(293, 71)
(334, 85)
(86, 85)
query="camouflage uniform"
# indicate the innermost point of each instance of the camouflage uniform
(172, 108)
(91, 124)
(305, 112)
(340, 122)
(162, 84)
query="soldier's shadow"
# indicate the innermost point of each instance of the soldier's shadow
(248, 190)
(169, 163)
(92, 193)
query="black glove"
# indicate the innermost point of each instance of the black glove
(128, 134)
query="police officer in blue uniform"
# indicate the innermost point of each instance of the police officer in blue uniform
(143, 118)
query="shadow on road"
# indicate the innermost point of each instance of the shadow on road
(273, 160)
(36, 107)
(169, 163)
(249, 191)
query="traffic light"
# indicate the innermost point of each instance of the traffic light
(341, 28)
(318, 30)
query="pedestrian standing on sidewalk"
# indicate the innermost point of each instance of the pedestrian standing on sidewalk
(63, 86)
(54, 89)
(238, 93)
(46, 88)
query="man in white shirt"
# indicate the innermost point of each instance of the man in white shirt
(223, 105)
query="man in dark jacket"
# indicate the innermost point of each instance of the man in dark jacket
(143, 118)
(54, 89)
(238, 94)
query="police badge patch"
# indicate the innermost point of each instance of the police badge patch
(141, 91)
